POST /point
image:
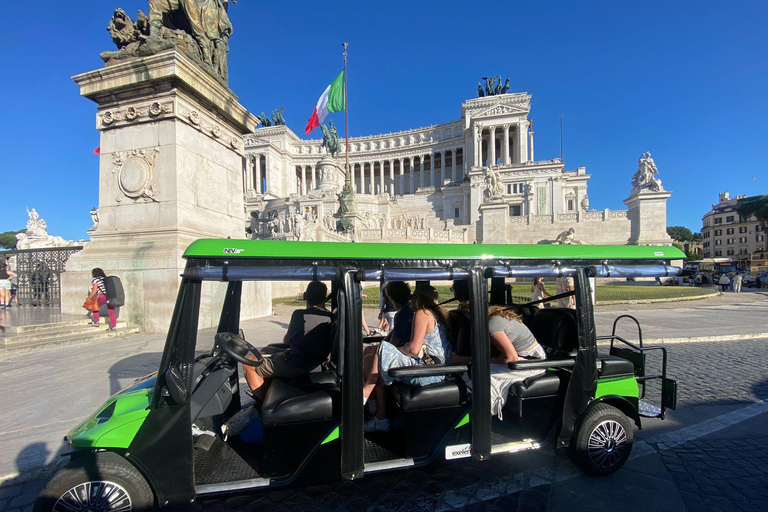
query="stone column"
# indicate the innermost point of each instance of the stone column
(505, 149)
(314, 177)
(391, 178)
(442, 168)
(477, 140)
(402, 177)
(453, 165)
(248, 175)
(421, 172)
(412, 188)
(257, 172)
(371, 179)
(492, 146)
(303, 180)
(381, 177)
(522, 142)
(531, 158)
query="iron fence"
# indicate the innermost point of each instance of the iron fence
(39, 274)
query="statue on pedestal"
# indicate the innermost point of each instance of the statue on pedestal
(330, 139)
(493, 187)
(585, 203)
(645, 178)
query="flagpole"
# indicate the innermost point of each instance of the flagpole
(346, 105)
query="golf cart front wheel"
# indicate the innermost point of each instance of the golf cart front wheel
(603, 441)
(104, 482)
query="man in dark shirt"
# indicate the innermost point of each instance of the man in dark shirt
(308, 338)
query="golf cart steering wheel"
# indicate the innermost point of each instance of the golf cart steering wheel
(237, 348)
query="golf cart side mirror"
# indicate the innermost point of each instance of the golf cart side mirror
(174, 382)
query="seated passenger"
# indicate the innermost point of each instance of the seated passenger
(399, 293)
(308, 339)
(458, 322)
(429, 344)
(510, 338)
(511, 341)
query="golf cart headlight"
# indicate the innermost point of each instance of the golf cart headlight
(106, 413)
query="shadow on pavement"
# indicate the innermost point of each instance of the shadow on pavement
(131, 368)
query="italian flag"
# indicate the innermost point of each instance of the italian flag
(332, 100)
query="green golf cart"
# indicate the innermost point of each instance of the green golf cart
(159, 442)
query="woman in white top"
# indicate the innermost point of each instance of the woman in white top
(538, 291)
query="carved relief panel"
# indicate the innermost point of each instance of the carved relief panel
(135, 174)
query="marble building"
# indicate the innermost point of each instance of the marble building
(471, 180)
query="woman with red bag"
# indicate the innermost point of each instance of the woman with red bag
(99, 291)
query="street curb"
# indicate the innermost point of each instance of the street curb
(703, 339)
(654, 301)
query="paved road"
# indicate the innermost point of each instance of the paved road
(723, 386)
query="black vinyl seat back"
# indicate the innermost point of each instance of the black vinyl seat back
(556, 330)
(461, 336)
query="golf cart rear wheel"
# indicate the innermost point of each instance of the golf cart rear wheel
(603, 442)
(101, 483)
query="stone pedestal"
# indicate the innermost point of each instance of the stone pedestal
(170, 172)
(493, 217)
(648, 217)
(330, 174)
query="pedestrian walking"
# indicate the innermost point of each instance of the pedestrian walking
(99, 290)
(737, 279)
(6, 274)
(724, 282)
(538, 291)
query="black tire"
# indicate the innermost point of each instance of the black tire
(603, 441)
(88, 482)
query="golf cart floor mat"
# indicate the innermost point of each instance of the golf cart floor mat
(503, 432)
(379, 450)
(227, 462)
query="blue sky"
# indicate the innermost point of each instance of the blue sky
(685, 80)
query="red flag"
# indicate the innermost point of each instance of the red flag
(97, 151)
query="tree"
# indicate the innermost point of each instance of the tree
(756, 206)
(8, 239)
(680, 233)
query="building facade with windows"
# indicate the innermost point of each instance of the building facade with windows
(471, 180)
(726, 234)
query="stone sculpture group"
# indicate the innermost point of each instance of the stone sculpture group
(36, 236)
(492, 86)
(200, 28)
(645, 177)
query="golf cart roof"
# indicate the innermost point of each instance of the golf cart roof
(272, 249)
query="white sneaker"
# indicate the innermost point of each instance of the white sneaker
(376, 425)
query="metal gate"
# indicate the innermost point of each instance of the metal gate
(39, 272)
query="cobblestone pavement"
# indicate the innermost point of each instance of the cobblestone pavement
(726, 470)
(721, 474)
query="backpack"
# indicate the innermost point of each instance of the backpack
(115, 293)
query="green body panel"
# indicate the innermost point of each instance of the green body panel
(624, 386)
(334, 435)
(118, 430)
(463, 421)
(208, 248)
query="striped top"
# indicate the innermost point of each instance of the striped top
(99, 281)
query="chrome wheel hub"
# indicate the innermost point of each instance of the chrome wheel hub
(607, 443)
(95, 496)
